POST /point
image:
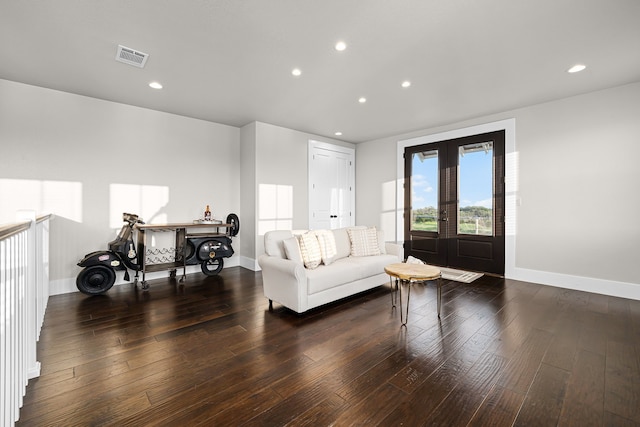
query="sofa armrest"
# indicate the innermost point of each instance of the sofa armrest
(395, 249)
(281, 266)
(284, 281)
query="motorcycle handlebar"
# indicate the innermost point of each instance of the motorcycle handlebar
(131, 218)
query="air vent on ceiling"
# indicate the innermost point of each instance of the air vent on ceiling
(131, 56)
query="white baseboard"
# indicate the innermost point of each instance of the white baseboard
(34, 371)
(578, 283)
(249, 263)
(62, 286)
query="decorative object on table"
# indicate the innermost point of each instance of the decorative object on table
(207, 214)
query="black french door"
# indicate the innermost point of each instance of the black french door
(454, 203)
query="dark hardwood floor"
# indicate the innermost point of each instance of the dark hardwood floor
(210, 353)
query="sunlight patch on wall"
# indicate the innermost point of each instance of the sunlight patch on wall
(388, 212)
(512, 197)
(147, 201)
(61, 198)
(275, 207)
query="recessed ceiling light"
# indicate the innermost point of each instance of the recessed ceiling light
(155, 85)
(340, 46)
(296, 72)
(406, 84)
(338, 133)
(576, 68)
(362, 100)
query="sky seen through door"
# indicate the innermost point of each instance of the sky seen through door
(476, 183)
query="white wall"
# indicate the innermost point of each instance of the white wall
(87, 160)
(80, 158)
(281, 164)
(576, 178)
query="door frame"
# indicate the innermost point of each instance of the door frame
(447, 246)
(511, 185)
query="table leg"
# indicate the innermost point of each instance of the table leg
(439, 292)
(406, 317)
(394, 292)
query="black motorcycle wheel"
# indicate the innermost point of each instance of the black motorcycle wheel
(95, 280)
(235, 224)
(190, 250)
(212, 266)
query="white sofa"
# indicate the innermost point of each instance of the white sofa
(345, 269)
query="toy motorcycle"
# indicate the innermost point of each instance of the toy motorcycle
(98, 275)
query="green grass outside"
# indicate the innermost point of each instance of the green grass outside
(467, 226)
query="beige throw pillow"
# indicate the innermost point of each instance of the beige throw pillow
(364, 241)
(310, 250)
(327, 243)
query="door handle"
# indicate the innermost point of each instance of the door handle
(333, 216)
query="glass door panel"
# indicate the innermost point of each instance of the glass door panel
(475, 189)
(424, 191)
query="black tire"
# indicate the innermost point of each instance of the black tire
(95, 280)
(190, 250)
(212, 267)
(235, 224)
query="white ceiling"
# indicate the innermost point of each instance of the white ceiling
(230, 61)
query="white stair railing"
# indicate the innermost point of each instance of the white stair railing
(24, 292)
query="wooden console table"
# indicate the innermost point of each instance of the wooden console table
(174, 258)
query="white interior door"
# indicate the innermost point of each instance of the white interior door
(331, 186)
